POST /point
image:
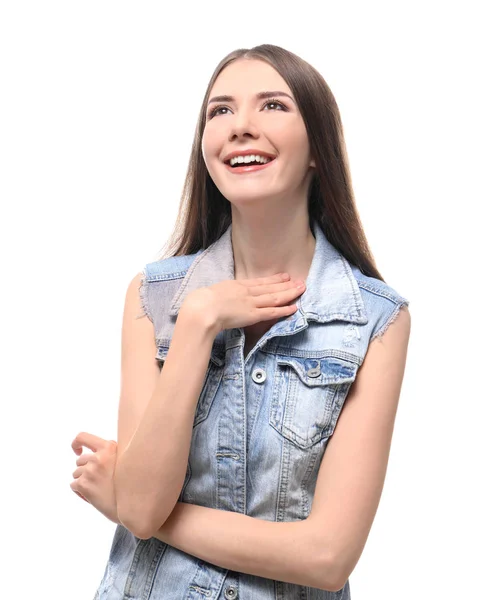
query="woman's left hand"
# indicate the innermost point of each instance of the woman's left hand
(93, 479)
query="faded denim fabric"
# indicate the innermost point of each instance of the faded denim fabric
(262, 423)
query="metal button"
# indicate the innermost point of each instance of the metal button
(259, 375)
(314, 372)
(230, 593)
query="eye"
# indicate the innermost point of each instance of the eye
(214, 111)
(276, 102)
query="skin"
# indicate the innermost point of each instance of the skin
(353, 468)
(93, 477)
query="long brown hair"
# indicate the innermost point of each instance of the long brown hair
(205, 214)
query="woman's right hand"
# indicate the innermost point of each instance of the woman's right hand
(239, 303)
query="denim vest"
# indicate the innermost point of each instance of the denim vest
(262, 422)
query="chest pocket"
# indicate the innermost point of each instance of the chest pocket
(308, 394)
(211, 384)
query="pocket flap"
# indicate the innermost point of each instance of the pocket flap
(321, 371)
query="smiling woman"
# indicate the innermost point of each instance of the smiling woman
(236, 121)
(258, 395)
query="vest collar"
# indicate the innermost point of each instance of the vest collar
(331, 294)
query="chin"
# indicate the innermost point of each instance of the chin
(247, 198)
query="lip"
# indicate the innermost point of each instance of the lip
(248, 168)
(234, 153)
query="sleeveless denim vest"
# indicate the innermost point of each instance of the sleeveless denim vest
(262, 422)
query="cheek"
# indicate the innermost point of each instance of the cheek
(297, 140)
(298, 151)
(210, 148)
(211, 151)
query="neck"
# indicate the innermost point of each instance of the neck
(272, 245)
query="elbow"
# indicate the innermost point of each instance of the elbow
(137, 516)
(343, 563)
(338, 575)
(338, 586)
(330, 575)
(137, 529)
(140, 523)
(331, 563)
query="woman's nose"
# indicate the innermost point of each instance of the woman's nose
(242, 126)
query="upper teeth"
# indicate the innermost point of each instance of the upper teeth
(249, 158)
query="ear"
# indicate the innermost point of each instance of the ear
(312, 163)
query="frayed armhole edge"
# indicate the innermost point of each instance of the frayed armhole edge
(390, 320)
(143, 297)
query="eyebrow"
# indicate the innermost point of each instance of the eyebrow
(259, 96)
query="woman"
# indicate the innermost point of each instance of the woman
(233, 475)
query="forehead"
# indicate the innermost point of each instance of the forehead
(246, 77)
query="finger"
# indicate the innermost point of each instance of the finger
(276, 312)
(278, 298)
(77, 473)
(264, 280)
(259, 290)
(93, 442)
(84, 458)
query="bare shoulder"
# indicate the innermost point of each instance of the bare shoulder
(133, 296)
(382, 371)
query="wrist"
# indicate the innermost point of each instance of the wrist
(198, 312)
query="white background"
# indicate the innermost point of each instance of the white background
(98, 106)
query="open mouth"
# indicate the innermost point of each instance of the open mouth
(238, 161)
(238, 165)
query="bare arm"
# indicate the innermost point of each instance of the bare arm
(353, 469)
(152, 459)
(284, 551)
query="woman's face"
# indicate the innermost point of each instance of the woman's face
(269, 125)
